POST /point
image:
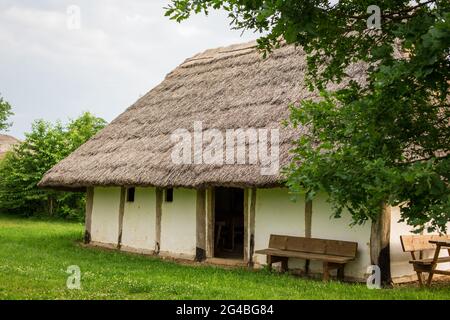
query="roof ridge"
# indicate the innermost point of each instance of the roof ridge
(8, 136)
(212, 53)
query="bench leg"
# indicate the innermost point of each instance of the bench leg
(306, 267)
(326, 272)
(284, 265)
(340, 273)
(269, 262)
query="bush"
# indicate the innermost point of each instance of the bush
(24, 166)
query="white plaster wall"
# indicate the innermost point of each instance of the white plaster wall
(178, 224)
(138, 230)
(276, 213)
(325, 226)
(399, 259)
(400, 266)
(105, 215)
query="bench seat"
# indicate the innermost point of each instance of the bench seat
(305, 255)
(334, 254)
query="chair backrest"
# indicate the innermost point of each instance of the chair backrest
(314, 245)
(411, 243)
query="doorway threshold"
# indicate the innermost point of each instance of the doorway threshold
(226, 262)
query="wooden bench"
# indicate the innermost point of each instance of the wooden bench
(417, 245)
(333, 253)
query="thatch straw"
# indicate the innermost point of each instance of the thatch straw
(232, 87)
(6, 144)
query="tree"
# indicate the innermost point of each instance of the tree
(23, 168)
(382, 141)
(5, 113)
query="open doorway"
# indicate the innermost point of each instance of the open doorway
(229, 223)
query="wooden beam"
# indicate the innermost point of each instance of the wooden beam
(246, 229)
(252, 226)
(379, 244)
(88, 216)
(200, 251)
(308, 225)
(308, 218)
(158, 210)
(210, 223)
(123, 192)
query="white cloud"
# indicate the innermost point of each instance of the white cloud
(191, 31)
(122, 49)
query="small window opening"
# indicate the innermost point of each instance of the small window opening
(169, 195)
(130, 194)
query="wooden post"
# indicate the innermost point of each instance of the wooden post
(88, 216)
(326, 271)
(379, 244)
(246, 229)
(50, 201)
(308, 225)
(210, 223)
(200, 251)
(123, 192)
(158, 210)
(252, 226)
(308, 218)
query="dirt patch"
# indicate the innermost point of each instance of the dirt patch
(438, 281)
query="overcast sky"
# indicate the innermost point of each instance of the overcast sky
(51, 69)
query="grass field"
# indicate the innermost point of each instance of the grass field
(35, 254)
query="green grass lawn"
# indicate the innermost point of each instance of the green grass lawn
(35, 254)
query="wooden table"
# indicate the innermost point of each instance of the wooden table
(440, 244)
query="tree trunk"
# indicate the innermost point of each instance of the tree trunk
(379, 244)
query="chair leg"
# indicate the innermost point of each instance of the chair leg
(326, 272)
(219, 235)
(430, 278)
(419, 277)
(232, 236)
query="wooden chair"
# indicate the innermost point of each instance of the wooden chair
(417, 245)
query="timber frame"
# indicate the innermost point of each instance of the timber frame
(210, 200)
(200, 250)
(204, 244)
(88, 219)
(158, 210)
(123, 192)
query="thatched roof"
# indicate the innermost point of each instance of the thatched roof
(6, 143)
(225, 88)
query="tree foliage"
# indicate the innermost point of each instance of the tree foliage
(386, 140)
(5, 113)
(24, 166)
